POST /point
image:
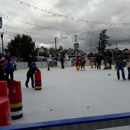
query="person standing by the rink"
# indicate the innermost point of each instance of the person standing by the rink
(83, 61)
(62, 62)
(95, 62)
(48, 63)
(30, 73)
(99, 59)
(9, 68)
(30, 60)
(128, 70)
(77, 61)
(109, 59)
(119, 58)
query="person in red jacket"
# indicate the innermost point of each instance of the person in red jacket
(77, 60)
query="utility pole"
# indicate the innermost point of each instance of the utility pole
(116, 44)
(56, 48)
(2, 43)
(90, 45)
(76, 42)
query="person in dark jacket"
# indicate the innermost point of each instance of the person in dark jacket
(83, 61)
(3, 63)
(30, 60)
(109, 59)
(77, 60)
(99, 59)
(62, 62)
(128, 68)
(30, 73)
(9, 68)
(119, 58)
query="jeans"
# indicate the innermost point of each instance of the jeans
(28, 78)
(9, 72)
(120, 67)
(128, 72)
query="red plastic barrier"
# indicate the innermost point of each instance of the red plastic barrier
(3, 88)
(15, 94)
(5, 115)
(38, 81)
(15, 97)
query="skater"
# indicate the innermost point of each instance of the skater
(3, 63)
(77, 60)
(30, 73)
(99, 59)
(79, 64)
(128, 70)
(109, 59)
(30, 60)
(9, 68)
(48, 64)
(62, 62)
(119, 58)
(95, 62)
(83, 61)
(14, 63)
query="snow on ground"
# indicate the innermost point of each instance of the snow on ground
(67, 93)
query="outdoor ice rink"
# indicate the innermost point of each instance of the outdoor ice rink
(67, 93)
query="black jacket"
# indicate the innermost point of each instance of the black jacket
(2, 76)
(32, 70)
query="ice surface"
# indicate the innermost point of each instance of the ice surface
(67, 93)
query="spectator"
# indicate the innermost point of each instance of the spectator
(9, 68)
(62, 62)
(119, 58)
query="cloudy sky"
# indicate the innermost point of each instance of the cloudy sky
(46, 19)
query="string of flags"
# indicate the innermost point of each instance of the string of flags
(72, 18)
(28, 32)
(40, 25)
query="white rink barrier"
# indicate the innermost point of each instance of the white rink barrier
(23, 65)
(66, 63)
(84, 123)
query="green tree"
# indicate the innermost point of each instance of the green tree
(103, 43)
(22, 46)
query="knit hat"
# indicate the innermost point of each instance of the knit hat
(3, 62)
(33, 64)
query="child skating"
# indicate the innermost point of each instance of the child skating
(30, 74)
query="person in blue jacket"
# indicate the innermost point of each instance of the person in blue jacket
(9, 68)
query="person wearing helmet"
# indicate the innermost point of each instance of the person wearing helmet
(30, 73)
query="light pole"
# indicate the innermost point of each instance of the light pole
(116, 44)
(2, 43)
(55, 48)
(76, 45)
(90, 45)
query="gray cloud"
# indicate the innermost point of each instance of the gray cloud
(101, 11)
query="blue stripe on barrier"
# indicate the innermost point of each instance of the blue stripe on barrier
(66, 122)
(17, 117)
(16, 109)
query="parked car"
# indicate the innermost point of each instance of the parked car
(53, 63)
(73, 62)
